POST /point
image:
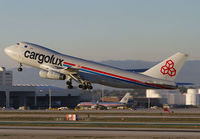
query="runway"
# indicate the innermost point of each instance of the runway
(75, 123)
(100, 124)
(96, 124)
(105, 133)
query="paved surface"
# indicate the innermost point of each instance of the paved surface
(177, 110)
(95, 116)
(94, 123)
(36, 132)
(103, 133)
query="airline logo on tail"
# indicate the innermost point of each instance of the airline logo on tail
(168, 68)
(125, 98)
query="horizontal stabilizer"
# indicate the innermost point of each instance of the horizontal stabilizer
(184, 84)
(136, 70)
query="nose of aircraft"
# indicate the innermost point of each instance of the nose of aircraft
(11, 51)
(7, 50)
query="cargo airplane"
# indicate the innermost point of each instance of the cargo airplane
(58, 66)
(106, 105)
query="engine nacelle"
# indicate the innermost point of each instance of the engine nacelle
(52, 75)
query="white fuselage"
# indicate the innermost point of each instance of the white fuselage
(43, 58)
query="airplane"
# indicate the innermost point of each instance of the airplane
(58, 66)
(106, 105)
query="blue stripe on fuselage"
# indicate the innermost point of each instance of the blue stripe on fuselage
(66, 65)
(113, 77)
(119, 78)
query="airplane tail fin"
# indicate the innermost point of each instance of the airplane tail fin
(125, 98)
(169, 68)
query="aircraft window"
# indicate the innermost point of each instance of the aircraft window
(17, 43)
(25, 46)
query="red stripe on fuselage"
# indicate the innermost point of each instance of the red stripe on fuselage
(111, 74)
(123, 77)
(118, 76)
(69, 63)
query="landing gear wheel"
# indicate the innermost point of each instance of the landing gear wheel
(69, 83)
(19, 69)
(84, 87)
(90, 87)
(70, 87)
(80, 86)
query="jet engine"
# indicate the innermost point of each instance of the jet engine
(52, 75)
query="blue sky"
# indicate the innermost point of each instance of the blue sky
(103, 30)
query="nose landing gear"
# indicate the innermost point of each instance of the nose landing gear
(20, 67)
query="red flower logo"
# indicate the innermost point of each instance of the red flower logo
(168, 68)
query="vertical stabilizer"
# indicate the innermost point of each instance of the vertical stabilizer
(169, 68)
(125, 98)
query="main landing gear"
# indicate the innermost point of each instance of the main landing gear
(86, 85)
(69, 84)
(82, 86)
(20, 67)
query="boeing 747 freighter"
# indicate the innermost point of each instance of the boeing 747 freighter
(58, 66)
